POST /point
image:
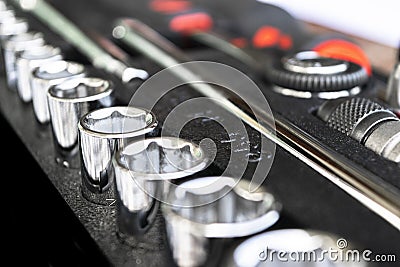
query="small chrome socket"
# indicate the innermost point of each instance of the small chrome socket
(68, 102)
(203, 211)
(48, 75)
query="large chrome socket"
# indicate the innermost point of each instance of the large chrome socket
(143, 171)
(101, 133)
(68, 102)
(14, 45)
(206, 210)
(6, 14)
(27, 61)
(45, 76)
(294, 247)
(393, 88)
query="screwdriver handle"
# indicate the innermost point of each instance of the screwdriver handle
(267, 27)
(252, 25)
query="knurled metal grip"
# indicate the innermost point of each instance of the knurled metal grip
(367, 122)
(350, 112)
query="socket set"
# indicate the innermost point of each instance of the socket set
(161, 177)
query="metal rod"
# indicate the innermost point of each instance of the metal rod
(113, 49)
(71, 33)
(361, 184)
(220, 43)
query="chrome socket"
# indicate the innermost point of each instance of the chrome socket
(3, 5)
(143, 171)
(45, 76)
(12, 26)
(393, 88)
(209, 209)
(27, 61)
(14, 45)
(101, 133)
(6, 14)
(68, 102)
(9, 24)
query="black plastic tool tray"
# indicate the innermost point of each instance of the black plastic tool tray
(309, 200)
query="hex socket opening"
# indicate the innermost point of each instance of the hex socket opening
(80, 88)
(162, 158)
(116, 122)
(58, 69)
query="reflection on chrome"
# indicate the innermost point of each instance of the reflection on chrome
(68, 102)
(143, 171)
(101, 133)
(236, 212)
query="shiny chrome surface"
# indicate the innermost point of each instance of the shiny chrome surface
(367, 122)
(222, 43)
(322, 95)
(12, 26)
(293, 244)
(49, 75)
(29, 60)
(393, 89)
(237, 212)
(68, 102)
(385, 140)
(143, 170)
(3, 6)
(310, 62)
(101, 133)
(358, 182)
(14, 45)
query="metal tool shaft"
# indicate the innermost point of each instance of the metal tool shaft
(71, 33)
(221, 43)
(393, 88)
(361, 184)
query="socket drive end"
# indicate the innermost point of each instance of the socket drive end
(133, 73)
